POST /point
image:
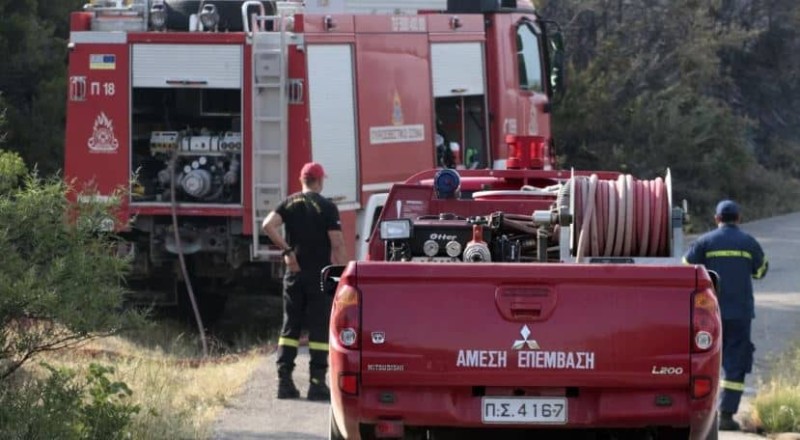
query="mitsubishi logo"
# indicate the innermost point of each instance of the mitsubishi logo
(521, 343)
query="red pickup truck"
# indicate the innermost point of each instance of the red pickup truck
(494, 303)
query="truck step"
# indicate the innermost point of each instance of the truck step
(268, 51)
(268, 119)
(268, 185)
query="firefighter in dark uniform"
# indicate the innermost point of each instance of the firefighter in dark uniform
(313, 241)
(737, 257)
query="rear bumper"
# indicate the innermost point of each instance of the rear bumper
(458, 407)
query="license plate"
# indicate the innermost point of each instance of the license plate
(524, 410)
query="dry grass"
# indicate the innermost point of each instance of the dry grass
(180, 394)
(777, 406)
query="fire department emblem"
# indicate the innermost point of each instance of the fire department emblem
(397, 112)
(103, 139)
(521, 343)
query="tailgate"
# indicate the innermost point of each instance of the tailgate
(525, 324)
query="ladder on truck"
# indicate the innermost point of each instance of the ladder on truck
(269, 177)
(270, 37)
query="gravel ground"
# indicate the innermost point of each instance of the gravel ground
(256, 414)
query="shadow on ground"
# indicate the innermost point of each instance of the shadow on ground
(248, 322)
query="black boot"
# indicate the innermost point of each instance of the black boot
(726, 422)
(318, 391)
(286, 388)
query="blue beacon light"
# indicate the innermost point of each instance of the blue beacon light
(446, 183)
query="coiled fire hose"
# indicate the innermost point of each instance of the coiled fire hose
(621, 218)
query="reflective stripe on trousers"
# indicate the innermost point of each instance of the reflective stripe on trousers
(733, 386)
(737, 361)
(304, 307)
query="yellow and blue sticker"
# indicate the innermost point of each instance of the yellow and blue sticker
(102, 62)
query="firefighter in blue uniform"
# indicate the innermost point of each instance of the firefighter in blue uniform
(738, 258)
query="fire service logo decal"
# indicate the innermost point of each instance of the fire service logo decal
(397, 132)
(397, 110)
(103, 139)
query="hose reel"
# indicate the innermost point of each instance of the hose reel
(625, 217)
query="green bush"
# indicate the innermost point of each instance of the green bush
(60, 281)
(60, 284)
(780, 412)
(778, 403)
(107, 414)
(63, 407)
(12, 171)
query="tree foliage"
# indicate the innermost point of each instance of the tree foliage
(60, 281)
(33, 50)
(654, 84)
(60, 284)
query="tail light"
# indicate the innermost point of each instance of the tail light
(706, 325)
(527, 152)
(346, 315)
(701, 387)
(348, 383)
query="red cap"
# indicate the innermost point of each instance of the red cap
(312, 170)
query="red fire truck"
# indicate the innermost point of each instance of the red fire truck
(204, 112)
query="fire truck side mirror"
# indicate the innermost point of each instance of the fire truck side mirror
(557, 59)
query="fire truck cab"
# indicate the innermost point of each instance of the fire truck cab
(206, 110)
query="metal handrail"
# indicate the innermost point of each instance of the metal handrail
(253, 22)
(118, 5)
(245, 8)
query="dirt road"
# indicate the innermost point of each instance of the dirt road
(258, 415)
